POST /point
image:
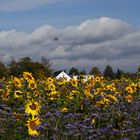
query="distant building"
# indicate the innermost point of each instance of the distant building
(62, 74)
(84, 77)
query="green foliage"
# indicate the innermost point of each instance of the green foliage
(73, 71)
(108, 72)
(119, 74)
(83, 72)
(95, 71)
(39, 70)
(139, 68)
(3, 70)
(47, 65)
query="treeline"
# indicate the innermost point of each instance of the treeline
(107, 73)
(16, 68)
(43, 68)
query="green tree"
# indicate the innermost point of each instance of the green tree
(26, 64)
(47, 64)
(95, 71)
(13, 68)
(139, 68)
(82, 72)
(73, 71)
(108, 72)
(119, 74)
(3, 70)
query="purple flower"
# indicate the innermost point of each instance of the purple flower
(1, 84)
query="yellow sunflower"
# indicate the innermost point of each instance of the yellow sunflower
(133, 86)
(96, 91)
(99, 103)
(6, 93)
(32, 107)
(105, 100)
(97, 79)
(51, 87)
(129, 98)
(113, 97)
(18, 116)
(53, 95)
(138, 85)
(32, 84)
(50, 80)
(17, 93)
(64, 110)
(61, 82)
(17, 82)
(129, 90)
(28, 76)
(32, 124)
(88, 94)
(74, 82)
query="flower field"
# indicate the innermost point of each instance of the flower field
(53, 109)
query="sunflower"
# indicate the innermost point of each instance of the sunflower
(129, 98)
(32, 124)
(28, 76)
(61, 82)
(50, 80)
(32, 108)
(17, 82)
(37, 93)
(88, 94)
(64, 110)
(99, 103)
(133, 86)
(17, 116)
(6, 93)
(32, 84)
(53, 95)
(74, 82)
(110, 88)
(82, 81)
(17, 93)
(51, 87)
(102, 79)
(97, 79)
(138, 85)
(113, 97)
(96, 91)
(129, 90)
(105, 100)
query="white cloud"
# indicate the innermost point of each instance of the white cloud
(94, 42)
(19, 5)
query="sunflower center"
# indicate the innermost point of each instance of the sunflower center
(29, 77)
(32, 85)
(32, 125)
(18, 93)
(33, 106)
(16, 82)
(18, 116)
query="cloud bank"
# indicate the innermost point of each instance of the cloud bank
(95, 42)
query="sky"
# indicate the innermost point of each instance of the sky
(72, 33)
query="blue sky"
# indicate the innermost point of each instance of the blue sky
(67, 12)
(90, 32)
